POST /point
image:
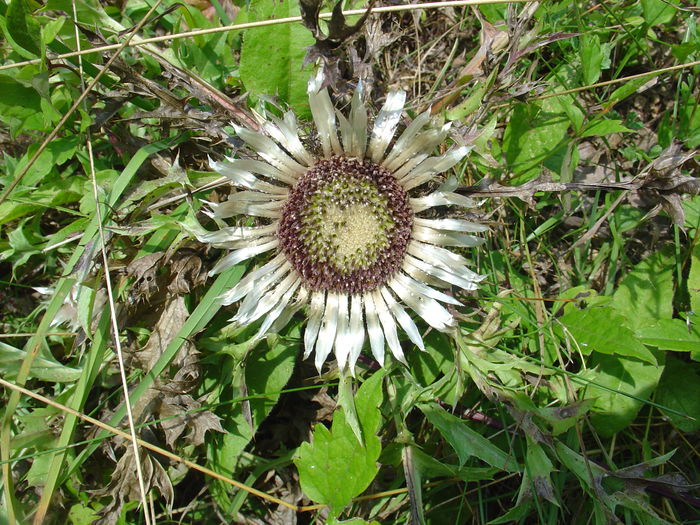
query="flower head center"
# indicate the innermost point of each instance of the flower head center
(346, 225)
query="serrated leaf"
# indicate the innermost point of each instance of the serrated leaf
(272, 56)
(624, 384)
(467, 442)
(602, 330)
(323, 464)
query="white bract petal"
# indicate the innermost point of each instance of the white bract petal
(446, 238)
(420, 148)
(263, 285)
(247, 284)
(389, 326)
(427, 169)
(271, 152)
(429, 309)
(440, 198)
(403, 318)
(466, 283)
(324, 118)
(270, 300)
(356, 331)
(342, 336)
(385, 124)
(455, 225)
(327, 333)
(239, 172)
(374, 330)
(315, 314)
(358, 124)
(423, 289)
(233, 258)
(285, 132)
(406, 138)
(282, 306)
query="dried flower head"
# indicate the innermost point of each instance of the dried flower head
(345, 229)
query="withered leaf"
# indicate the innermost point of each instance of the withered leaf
(186, 272)
(124, 485)
(327, 46)
(171, 319)
(144, 271)
(183, 412)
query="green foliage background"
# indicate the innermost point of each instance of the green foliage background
(571, 392)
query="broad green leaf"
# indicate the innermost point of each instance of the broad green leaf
(602, 329)
(21, 30)
(44, 366)
(591, 58)
(467, 442)
(658, 12)
(672, 334)
(679, 390)
(534, 137)
(621, 385)
(599, 128)
(20, 105)
(272, 56)
(645, 295)
(323, 464)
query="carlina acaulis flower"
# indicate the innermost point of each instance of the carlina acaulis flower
(344, 230)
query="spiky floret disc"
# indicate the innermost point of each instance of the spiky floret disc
(345, 226)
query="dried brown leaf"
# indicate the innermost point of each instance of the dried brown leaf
(183, 412)
(124, 485)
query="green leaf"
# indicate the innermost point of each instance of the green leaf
(658, 12)
(429, 467)
(20, 106)
(21, 30)
(646, 294)
(591, 58)
(535, 136)
(621, 386)
(323, 464)
(465, 441)
(679, 390)
(537, 475)
(694, 274)
(272, 56)
(602, 329)
(672, 334)
(599, 128)
(44, 366)
(627, 89)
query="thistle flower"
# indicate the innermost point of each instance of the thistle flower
(345, 229)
